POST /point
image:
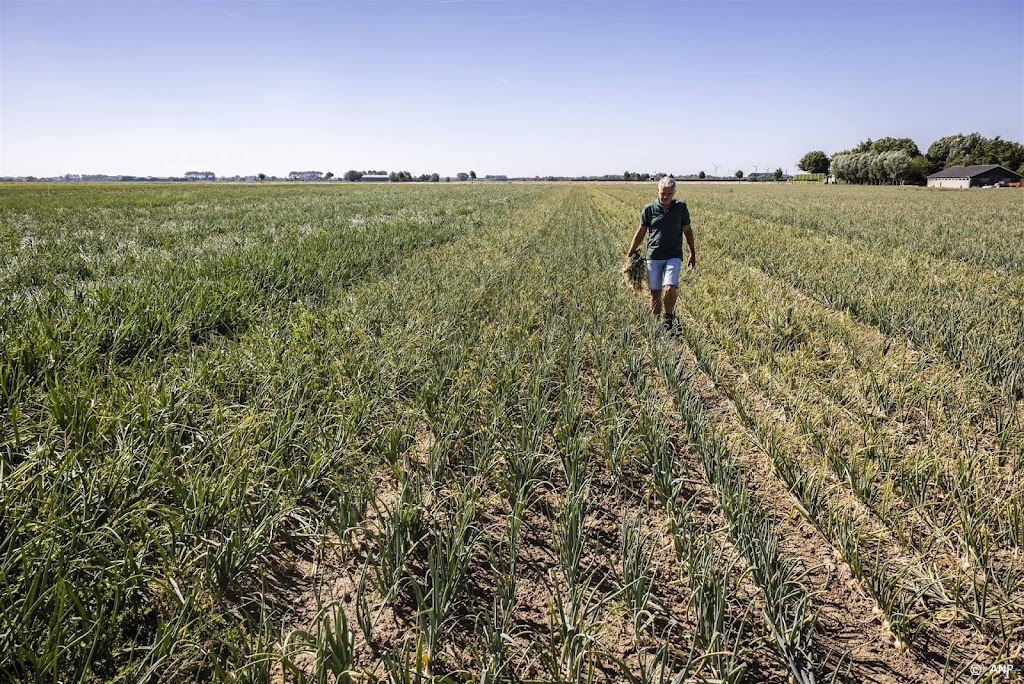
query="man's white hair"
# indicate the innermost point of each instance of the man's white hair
(667, 182)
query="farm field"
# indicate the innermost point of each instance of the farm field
(425, 433)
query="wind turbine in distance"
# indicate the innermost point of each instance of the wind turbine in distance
(716, 168)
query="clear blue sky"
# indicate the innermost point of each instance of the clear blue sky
(516, 88)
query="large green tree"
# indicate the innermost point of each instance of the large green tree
(919, 170)
(894, 144)
(815, 161)
(973, 148)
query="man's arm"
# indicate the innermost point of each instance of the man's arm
(688, 234)
(641, 231)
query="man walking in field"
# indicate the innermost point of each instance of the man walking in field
(665, 222)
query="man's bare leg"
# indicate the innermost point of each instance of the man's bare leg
(670, 300)
(656, 302)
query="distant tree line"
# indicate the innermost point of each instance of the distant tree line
(898, 160)
(306, 175)
(406, 177)
(631, 176)
(353, 175)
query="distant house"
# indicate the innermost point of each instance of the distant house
(973, 176)
(373, 178)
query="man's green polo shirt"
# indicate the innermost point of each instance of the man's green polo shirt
(665, 229)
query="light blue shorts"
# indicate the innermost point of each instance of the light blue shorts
(662, 272)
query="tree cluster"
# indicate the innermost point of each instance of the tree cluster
(814, 161)
(405, 177)
(966, 150)
(637, 176)
(886, 160)
(306, 175)
(892, 166)
(352, 175)
(898, 160)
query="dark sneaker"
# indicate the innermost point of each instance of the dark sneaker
(670, 323)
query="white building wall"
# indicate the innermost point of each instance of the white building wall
(949, 182)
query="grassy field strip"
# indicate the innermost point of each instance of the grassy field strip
(985, 496)
(788, 611)
(907, 588)
(980, 229)
(971, 564)
(717, 573)
(984, 231)
(421, 549)
(704, 313)
(975, 319)
(59, 243)
(912, 617)
(176, 304)
(576, 641)
(863, 617)
(521, 394)
(573, 598)
(185, 503)
(901, 399)
(440, 397)
(116, 231)
(973, 495)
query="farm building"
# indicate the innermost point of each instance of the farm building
(374, 178)
(973, 176)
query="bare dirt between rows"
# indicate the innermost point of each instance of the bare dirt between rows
(333, 575)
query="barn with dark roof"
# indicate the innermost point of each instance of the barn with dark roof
(973, 176)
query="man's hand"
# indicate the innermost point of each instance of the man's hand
(693, 261)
